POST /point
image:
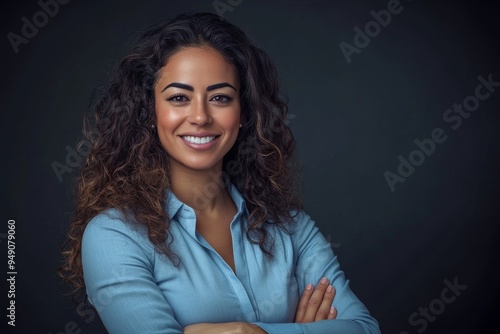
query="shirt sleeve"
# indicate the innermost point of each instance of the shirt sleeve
(118, 274)
(315, 259)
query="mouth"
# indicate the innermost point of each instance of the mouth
(199, 140)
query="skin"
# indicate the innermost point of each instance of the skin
(197, 91)
(315, 303)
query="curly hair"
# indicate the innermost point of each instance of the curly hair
(127, 168)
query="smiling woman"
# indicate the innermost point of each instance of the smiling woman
(193, 99)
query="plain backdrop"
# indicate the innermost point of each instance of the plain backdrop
(353, 123)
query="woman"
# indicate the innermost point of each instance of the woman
(187, 217)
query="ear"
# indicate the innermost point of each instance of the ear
(242, 119)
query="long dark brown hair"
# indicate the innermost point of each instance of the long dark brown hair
(128, 169)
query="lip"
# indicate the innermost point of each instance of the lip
(199, 134)
(200, 147)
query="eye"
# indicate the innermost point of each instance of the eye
(177, 98)
(221, 98)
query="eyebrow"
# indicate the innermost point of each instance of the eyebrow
(191, 88)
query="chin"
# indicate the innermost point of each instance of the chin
(200, 165)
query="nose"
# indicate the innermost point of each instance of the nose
(200, 114)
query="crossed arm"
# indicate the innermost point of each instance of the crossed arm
(120, 285)
(315, 304)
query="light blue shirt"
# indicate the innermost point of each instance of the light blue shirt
(137, 290)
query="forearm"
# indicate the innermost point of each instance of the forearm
(341, 326)
(224, 328)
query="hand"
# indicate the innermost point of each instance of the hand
(316, 304)
(223, 328)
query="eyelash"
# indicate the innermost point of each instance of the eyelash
(227, 98)
(174, 98)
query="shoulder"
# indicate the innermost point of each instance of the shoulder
(305, 232)
(301, 222)
(110, 231)
(301, 227)
(113, 220)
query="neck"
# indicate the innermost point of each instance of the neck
(202, 190)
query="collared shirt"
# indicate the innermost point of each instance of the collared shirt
(137, 290)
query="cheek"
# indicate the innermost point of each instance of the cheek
(233, 124)
(232, 119)
(167, 119)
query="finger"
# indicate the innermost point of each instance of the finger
(326, 304)
(304, 299)
(332, 314)
(316, 300)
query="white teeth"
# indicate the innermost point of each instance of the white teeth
(198, 140)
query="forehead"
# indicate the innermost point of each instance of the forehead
(198, 66)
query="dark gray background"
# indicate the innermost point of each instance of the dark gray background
(351, 122)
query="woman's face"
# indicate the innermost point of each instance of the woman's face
(197, 105)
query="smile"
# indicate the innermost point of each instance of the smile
(198, 140)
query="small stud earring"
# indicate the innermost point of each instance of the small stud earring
(152, 126)
(241, 125)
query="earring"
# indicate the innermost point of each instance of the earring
(241, 125)
(152, 126)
